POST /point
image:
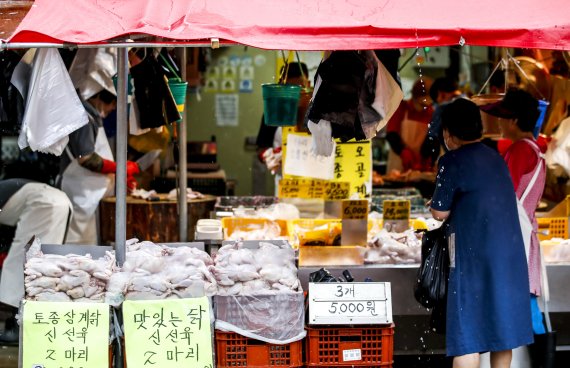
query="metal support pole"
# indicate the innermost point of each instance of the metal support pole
(213, 43)
(121, 159)
(183, 172)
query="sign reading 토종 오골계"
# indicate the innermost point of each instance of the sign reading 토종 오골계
(168, 333)
(65, 334)
(350, 303)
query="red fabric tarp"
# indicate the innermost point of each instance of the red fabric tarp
(306, 24)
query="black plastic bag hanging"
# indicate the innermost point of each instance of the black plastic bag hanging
(345, 93)
(431, 283)
(154, 99)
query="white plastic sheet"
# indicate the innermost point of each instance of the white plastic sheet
(275, 319)
(92, 71)
(53, 109)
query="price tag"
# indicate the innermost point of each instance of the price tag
(337, 190)
(351, 355)
(313, 188)
(168, 333)
(396, 210)
(301, 188)
(350, 303)
(355, 210)
(65, 334)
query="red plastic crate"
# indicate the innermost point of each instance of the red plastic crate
(234, 350)
(326, 346)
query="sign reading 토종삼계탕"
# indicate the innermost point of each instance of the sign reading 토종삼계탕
(65, 334)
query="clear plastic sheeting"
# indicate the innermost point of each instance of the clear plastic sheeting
(275, 319)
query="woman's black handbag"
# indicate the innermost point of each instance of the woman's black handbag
(431, 284)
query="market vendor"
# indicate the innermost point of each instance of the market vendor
(518, 111)
(34, 209)
(408, 128)
(87, 168)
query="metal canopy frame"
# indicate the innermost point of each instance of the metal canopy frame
(122, 129)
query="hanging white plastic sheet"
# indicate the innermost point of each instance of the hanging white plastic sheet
(92, 71)
(53, 109)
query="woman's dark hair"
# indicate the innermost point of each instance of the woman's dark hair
(462, 119)
(524, 107)
(443, 84)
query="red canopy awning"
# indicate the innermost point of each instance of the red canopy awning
(305, 24)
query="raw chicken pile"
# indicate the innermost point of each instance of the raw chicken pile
(394, 248)
(154, 271)
(267, 270)
(269, 231)
(57, 278)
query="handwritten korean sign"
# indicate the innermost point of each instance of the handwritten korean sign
(396, 210)
(350, 303)
(355, 210)
(299, 160)
(313, 188)
(168, 333)
(65, 334)
(353, 163)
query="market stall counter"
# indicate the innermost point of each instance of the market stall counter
(155, 220)
(414, 335)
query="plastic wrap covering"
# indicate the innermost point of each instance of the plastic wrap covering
(275, 319)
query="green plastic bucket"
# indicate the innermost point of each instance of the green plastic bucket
(280, 103)
(178, 90)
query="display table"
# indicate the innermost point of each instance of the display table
(156, 221)
(413, 334)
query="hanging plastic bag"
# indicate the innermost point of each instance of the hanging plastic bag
(53, 109)
(388, 95)
(92, 71)
(431, 284)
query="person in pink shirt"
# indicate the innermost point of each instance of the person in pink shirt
(524, 158)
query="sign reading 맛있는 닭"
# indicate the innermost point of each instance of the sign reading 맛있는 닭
(168, 333)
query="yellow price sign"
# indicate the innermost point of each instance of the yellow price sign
(337, 190)
(353, 164)
(355, 210)
(313, 188)
(168, 333)
(396, 210)
(301, 188)
(65, 334)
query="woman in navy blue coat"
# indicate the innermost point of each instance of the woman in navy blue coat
(488, 300)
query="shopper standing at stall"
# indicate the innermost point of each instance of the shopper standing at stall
(519, 113)
(408, 128)
(488, 304)
(34, 209)
(87, 168)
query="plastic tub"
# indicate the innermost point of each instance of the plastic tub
(280, 102)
